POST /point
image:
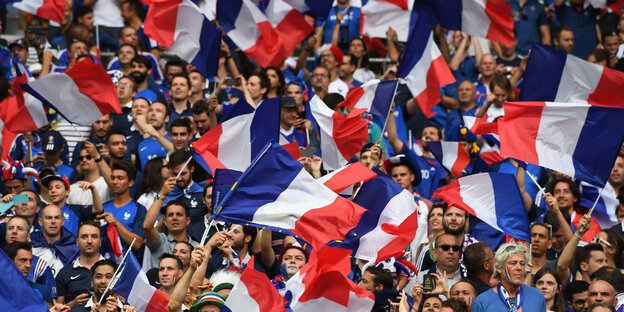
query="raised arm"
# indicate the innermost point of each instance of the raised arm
(151, 232)
(268, 255)
(567, 255)
(393, 136)
(181, 288)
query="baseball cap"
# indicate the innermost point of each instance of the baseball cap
(52, 141)
(49, 178)
(208, 297)
(18, 42)
(288, 101)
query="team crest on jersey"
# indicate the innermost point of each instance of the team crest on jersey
(127, 215)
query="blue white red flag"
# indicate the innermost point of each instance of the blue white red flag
(423, 67)
(240, 136)
(492, 197)
(452, 155)
(290, 24)
(318, 9)
(133, 285)
(277, 192)
(389, 224)
(254, 292)
(375, 96)
(23, 112)
(580, 140)
(82, 95)
(47, 9)
(605, 209)
(554, 76)
(250, 30)
(181, 26)
(15, 292)
(379, 15)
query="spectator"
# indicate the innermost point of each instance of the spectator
(541, 234)
(21, 254)
(358, 48)
(180, 92)
(198, 84)
(600, 291)
(463, 291)
(320, 81)
(342, 25)
(582, 21)
(101, 275)
(531, 24)
(90, 173)
(204, 118)
(126, 92)
(158, 142)
(290, 117)
(276, 81)
(479, 262)
(613, 247)
(54, 244)
(181, 133)
(576, 295)
(548, 282)
(564, 39)
(140, 68)
(345, 72)
(156, 173)
(99, 130)
(332, 60)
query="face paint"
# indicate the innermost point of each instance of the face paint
(469, 300)
(507, 273)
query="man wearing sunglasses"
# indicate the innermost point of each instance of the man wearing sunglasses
(446, 250)
(91, 173)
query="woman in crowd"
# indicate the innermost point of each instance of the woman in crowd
(548, 282)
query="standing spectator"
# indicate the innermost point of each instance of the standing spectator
(99, 130)
(319, 81)
(158, 142)
(531, 24)
(180, 91)
(344, 20)
(358, 48)
(21, 254)
(107, 16)
(479, 262)
(332, 60)
(276, 81)
(90, 173)
(582, 21)
(345, 72)
(576, 295)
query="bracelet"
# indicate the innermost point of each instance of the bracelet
(160, 197)
(99, 158)
(576, 235)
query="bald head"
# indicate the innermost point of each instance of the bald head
(51, 220)
(466, 93)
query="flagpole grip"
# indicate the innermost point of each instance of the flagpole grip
(183, 167)
(593, 206)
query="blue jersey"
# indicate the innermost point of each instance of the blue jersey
(150, 148)
(156, 73)
(295, 136)
(527, 22)
(349, 27)
(131, 215)
(583, 24)
(74, 214)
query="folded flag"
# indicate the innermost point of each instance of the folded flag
(554, 76)
(423, 67)
(133, 285)
(290, 24)
(318, 9)
(15, 292)
(379, 15)
(492, 197)
(240, 136)
(276, 192)
(254, 292)
(23, 112)
(222, 183)
(489, 19)
(341, 137)
(375, 96)
(250, 30)
(82, 95)
(47, 9)
(389, 224)
(579, 140)
(322, 284)
(181, 26)
(343, 178)
(452, 155)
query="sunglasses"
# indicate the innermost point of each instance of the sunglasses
(599, 240)
(87, 157)
(455, 248)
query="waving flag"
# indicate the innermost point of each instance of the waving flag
(289, 24)
(555, 76)
(15, 292)
(452, 155)
(605, 209)
(318, 9)
(343, 178)
(492, 197)
(322, 284)
(489, 19)
(82, 94)
(375, 96)
(180, 26)
(47, 9)
(250, 30)
(133, 285)
(424, 68)
(389, 224)
(341, 137)
(23, 112)
(379, 15)
(240, 136)
(277, 192)
(579, 140)
(254, 293)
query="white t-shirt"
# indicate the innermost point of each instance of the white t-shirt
(338, 86)
(363, 75)
(107, 13)
(78, 196)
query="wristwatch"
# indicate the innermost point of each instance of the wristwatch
(160, 197)
(99, 158)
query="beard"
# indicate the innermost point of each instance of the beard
(138, 77)
(457, 231)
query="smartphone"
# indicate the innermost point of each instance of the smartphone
(429, 283)
(306, 152)
(230, 82)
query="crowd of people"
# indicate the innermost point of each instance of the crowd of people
(71, 185)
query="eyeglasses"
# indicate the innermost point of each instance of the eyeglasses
(488, 258)
(320, 75)
(599, 240)
(87, 157)
(455, 248)
(125, 85)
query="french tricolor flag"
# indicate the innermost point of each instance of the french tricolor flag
(555, 76)
(48, 9)
(389, 224)
(318, 9)
(254, 292)
(240, 136)
(378, 15)
(133, 285)
(289, 24)
(375, 96)
(322, 284)
(278, 193)
(605, 209)
(492, 197)
(452, 155)
(181, 26)
(489, 19)
(579, 140)
(250, 30)
(341, 137)
(82, 94)
(423, 67)
(343, 179)
(22, 112)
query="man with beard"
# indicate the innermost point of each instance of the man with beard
(75, 278)
(510, 295)
(231, 250)
(102, 273)
(158, 142)
(140, 68)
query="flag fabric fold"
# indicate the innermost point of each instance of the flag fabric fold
(47, 9)
(375, 96)
(133, 285)
(15, 292)
(452, 155)
(379, 15)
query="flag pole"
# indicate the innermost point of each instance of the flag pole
(390, 112)
(594, 205)
(183, 167)
(205, 235)
(115, 277)
(533, 179)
